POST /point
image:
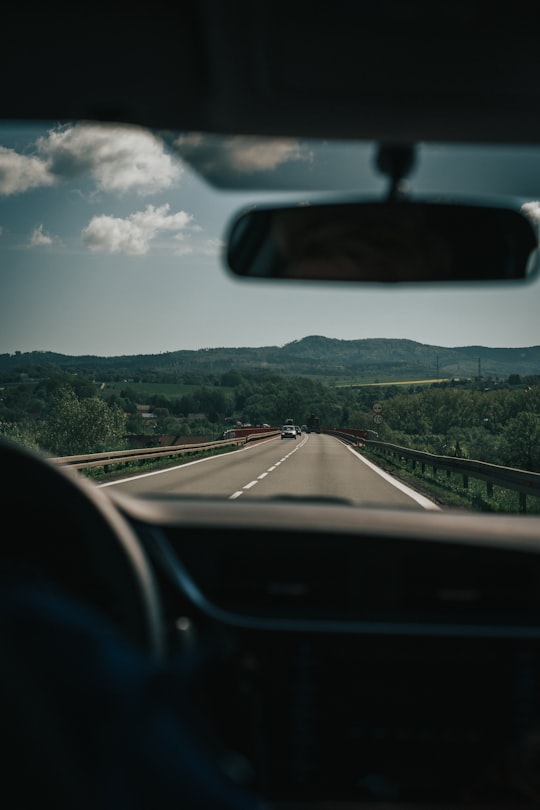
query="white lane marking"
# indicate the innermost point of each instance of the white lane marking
(235, 495)
(270, 469)
(420, 499)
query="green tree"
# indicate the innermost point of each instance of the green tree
(21, 433)
(231, 379)
(76, 426)
(521, 442)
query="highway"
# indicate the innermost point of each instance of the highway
(312, 466)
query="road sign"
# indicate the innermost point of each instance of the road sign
(377, 407)
(378, 418)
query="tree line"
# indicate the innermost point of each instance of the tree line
(60, 413)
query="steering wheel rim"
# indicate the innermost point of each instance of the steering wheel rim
(112, 569)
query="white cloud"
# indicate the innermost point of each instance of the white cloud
(118, 158)
(20, 173)
(263, 154)
(134, 234)
(212, 247)
(39, 238)
(246, 154)
(532, 210)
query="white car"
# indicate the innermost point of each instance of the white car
(288, 432)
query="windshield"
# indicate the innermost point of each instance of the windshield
(122, 329)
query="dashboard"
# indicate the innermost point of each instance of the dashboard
(357, 656)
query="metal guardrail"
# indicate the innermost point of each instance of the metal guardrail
(521, 481)
(107, 458)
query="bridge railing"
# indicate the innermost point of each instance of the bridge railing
(123, 457)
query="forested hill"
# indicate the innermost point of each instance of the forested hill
(383, 358)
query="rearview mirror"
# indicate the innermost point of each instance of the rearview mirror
(384, 242)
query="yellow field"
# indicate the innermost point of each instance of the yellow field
(400, 382)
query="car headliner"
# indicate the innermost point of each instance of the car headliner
(386, 71)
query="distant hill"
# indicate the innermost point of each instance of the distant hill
(384, 358)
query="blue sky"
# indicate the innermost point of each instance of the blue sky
(112, 244)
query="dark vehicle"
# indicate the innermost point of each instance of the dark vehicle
(211, 215)
(313, 424)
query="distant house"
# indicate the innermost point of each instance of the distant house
(145, 412)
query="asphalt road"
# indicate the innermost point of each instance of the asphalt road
(312, 466)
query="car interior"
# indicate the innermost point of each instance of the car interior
(346, 656)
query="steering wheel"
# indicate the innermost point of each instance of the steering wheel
(66, 528)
